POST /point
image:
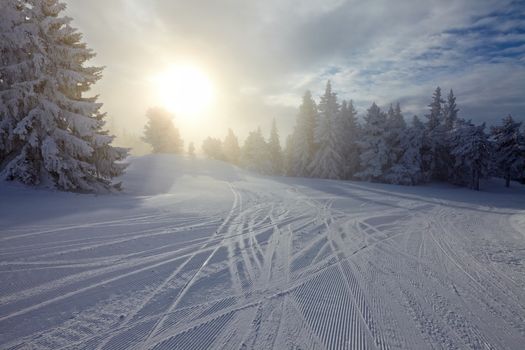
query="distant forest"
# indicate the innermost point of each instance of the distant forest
(329, 142)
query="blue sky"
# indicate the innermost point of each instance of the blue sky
(265, 54)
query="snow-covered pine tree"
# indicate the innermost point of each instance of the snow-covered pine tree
(16, 72)
(255, 154)
(212, 148)
(231, 148)
(412, 156)
(374, 155)
(288, 155)
(509, 155)
(160, 132)
(435, 148)
(302, 147)
(450, 122)
(394, 134)
(350, 135)
(472, 153)
(407, 170)
(450, 111)
(417, 123)
(52, 134)
(405, 146)
(328, 160)
(191, 150)
(435, 118)
(276, 153)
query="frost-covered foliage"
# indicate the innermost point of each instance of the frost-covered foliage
(160, 132)
(375, 155)
(276, 152)
(17, 72)
(471, 151)
(255, 153)
(509, 149)
(328, 160)
(231, 148)
(434, 151)
(349, 138)
(394, 133)
(301, 147)
(212, 148)
(450, 111)
(407, 169)
(50, 133)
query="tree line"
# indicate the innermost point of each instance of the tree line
(330, 142)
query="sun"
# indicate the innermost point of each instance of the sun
(185, 90)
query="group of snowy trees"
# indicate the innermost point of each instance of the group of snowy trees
(50, 133)
(509, 150)
(329, 142)
(256, 154)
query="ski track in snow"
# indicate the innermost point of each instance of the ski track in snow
(292, 264)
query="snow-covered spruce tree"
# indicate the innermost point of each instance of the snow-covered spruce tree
(405, 166)
(212, 148)
(394, 134)
(16, 71)
(52, 134)
(191, 150)
(418, 124)
(350, 135)
(434, 151)
(160, 132)
(471, 150)
(287, 154)
(450, 122)
(276, 153)
(412, 143)
(374, 155)
(435, 117)
(407, 170)
(509, 155)
(301, 147)
(450, 111)
(328, 160)
(255, 154)
(231, 148)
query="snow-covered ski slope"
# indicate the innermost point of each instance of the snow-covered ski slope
(200, 255)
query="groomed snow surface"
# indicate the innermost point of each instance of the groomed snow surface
(198, 254)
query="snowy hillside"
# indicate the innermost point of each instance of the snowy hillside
(198, 254)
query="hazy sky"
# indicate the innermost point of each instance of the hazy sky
(262, 55)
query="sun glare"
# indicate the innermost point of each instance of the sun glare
(185, 90)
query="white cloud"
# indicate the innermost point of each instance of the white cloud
(272, 51)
